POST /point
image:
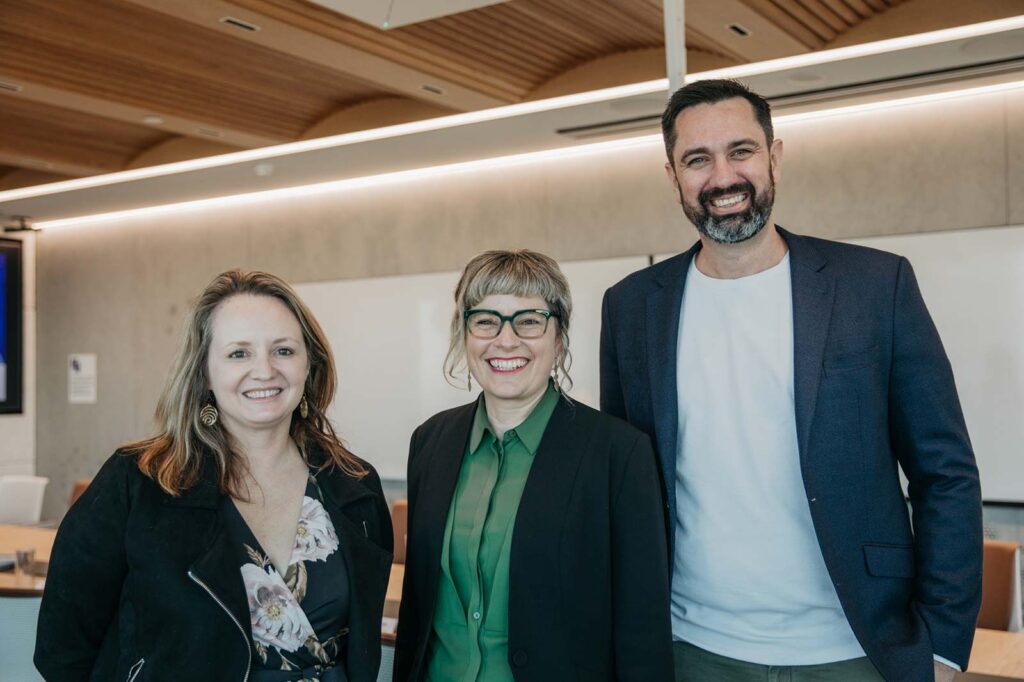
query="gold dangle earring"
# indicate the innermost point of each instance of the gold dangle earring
(303, 407)
(208, 415)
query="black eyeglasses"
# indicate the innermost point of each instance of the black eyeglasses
(487, 324)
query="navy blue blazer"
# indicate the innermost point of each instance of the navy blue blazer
(873, 388)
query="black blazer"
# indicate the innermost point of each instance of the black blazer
(144, 583)
(873, 389)
(588, 583)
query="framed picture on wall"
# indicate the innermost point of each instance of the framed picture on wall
(10, 327)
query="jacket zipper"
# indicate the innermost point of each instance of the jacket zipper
(248, 647)
(134, 671)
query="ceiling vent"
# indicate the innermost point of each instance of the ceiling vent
(10, 87)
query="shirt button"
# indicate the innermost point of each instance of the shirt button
(519, 658)
(476, 615)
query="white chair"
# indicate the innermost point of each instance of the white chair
(21, 499)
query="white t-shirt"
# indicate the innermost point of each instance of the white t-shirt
(749, 580)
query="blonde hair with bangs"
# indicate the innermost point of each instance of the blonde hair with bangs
(522, 273)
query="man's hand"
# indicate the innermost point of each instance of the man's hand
(943, 673)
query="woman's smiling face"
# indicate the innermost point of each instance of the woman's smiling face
(257, 363)
(509, 368)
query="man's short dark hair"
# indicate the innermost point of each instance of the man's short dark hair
(712, 91)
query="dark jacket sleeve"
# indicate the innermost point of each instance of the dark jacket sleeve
(612, 400)
(407, 638)
(85, 576)
(931, 442)
(640, 578)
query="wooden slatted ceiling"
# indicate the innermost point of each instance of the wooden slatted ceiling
(816, 22)
(63, 137)
(504, 50)
(118, 51)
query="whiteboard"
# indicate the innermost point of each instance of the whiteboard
(973, 284)
(390, 336)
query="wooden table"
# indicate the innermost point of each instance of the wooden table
(13, 538)
(997, 653)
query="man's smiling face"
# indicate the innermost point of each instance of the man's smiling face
(724, 170)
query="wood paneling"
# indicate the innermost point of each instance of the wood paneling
(68, 141)
(124, 53)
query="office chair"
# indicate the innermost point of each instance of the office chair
(21, 499)
(1000, 587)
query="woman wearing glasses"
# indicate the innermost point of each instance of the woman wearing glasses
(537, 543)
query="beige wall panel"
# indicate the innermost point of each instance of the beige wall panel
(1015, 156)
(898, 170)
(122, 290)
(616, 204)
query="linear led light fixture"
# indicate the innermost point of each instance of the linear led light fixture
(342, 140)
(484, 164)
(645, 88)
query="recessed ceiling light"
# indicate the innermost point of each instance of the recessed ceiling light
(153, 120)
(263, 169)
(209, 132)
(238, 23)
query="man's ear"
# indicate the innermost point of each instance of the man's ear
(670, 171)
(776, 156)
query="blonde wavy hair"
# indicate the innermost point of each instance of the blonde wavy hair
(174, 457)
(521, 273)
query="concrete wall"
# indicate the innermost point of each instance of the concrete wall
(121, 290)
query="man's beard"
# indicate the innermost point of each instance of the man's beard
(736, 227)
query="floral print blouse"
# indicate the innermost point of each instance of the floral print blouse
(299, 620)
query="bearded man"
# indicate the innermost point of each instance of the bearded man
(784, 381)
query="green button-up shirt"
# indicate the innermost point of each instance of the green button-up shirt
(469, 642)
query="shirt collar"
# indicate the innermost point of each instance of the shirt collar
(529, 432)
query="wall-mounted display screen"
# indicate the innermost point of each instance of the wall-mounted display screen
(10, 326)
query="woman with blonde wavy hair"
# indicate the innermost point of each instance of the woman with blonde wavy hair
(243, 541)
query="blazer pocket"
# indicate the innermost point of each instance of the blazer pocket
(846, 361)
(890, 561)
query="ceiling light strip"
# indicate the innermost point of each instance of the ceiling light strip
(648, 87)
(496, 162)
(345, 139)
(350, 183)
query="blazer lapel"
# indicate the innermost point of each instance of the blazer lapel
(813, 294)
(541, 508)
(438, 488)
(662, 322)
